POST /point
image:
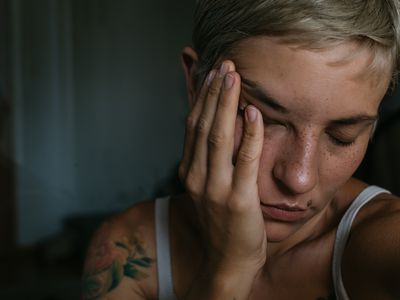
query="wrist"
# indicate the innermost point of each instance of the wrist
(227, 282)
(233, 281)
(231, 265)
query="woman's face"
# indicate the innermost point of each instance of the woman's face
(319, 111)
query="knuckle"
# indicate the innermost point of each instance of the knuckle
(190, 122)
(202, 126)
(213, 193)
(213, 204)
(192, 185)
(236, 206)
(251, 135)
(213, 90)
(193, 192)
(247, 155)
(216, 139)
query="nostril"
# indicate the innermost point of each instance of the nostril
(283, 188)
(279, 170)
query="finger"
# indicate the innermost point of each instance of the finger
(190, 130)
(248, 158)
(221, 138)
(198, 166)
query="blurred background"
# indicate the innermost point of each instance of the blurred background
(93, 104)
(92, 109)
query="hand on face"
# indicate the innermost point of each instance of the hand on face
(226, 195)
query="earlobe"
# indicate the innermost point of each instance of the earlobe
(189, 63)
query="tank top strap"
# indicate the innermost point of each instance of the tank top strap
(164, 271)
(342, 235)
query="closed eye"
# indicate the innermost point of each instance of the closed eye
(341, 142)
(269, 121)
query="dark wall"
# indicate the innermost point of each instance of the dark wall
(99, 106)
(7, 195)
(381, 165)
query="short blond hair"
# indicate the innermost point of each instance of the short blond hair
(315, 24)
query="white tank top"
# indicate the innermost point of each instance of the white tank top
(165, 283)
(342, 234)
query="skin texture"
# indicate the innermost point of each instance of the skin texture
(300, 161)
(273, 125)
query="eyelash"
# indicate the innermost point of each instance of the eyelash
(341, 143)
(269, 122)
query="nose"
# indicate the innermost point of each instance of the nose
(296, 167)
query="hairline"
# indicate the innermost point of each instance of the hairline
(316, 45)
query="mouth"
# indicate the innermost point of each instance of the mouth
(283, 213)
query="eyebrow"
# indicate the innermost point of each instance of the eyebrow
(354, 120)
(261, 94)
(257, 91)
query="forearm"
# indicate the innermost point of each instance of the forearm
(229, 285)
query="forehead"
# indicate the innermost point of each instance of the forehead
(297, 75)
(351, 53)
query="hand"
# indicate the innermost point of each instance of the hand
(226, 195)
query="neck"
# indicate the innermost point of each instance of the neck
(311, 230)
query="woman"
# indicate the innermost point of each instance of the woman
(284, 98)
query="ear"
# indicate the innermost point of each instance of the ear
(189, 63)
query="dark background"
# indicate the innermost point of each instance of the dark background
(92, 112)
(92, 108)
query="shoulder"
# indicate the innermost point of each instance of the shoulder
(120, 262)
(371, 262)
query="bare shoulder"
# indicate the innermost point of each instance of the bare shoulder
(120, 262)
(371, 262)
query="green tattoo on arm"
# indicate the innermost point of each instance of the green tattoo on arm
(108, 262)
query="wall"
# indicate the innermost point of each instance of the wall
(131, 96)
(7, 197)
(99, 105)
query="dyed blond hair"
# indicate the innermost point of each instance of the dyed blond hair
(314, 24)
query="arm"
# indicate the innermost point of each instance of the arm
(225, 193)
(371, 262)
(116, 263)
(223, 284)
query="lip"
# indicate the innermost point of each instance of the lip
(283, 213)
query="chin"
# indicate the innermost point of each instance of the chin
(280, 231)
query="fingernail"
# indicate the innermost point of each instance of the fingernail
(251, 114)
(228, 81)
(223, 69)
(210, 77)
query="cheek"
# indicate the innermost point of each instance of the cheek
(273, 145)
(342, 167)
